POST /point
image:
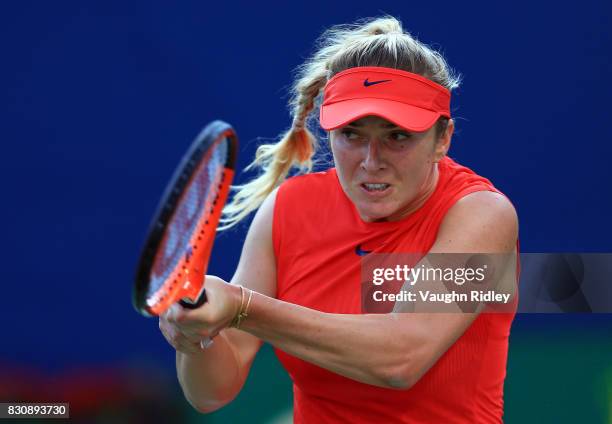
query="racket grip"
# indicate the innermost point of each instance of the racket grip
(199, 302)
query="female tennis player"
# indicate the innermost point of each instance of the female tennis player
(384, 100)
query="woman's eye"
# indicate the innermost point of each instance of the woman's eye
(350, 134)
(400, 136)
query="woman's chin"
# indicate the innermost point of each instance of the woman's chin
(374, 214)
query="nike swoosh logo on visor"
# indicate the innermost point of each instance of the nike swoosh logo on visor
(367, 83)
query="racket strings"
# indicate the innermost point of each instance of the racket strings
(191, 216)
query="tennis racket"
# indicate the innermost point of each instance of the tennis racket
(175, 255)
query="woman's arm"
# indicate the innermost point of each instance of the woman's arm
(211, 378)
(392, 350)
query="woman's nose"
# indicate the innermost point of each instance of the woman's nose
(372, 161)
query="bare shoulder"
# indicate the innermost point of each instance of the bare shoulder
(484, 221)
(266, 210)
(257, 266)
(261, 227)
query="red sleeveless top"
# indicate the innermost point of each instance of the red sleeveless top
(316, 230)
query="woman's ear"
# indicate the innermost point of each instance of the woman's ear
(444, 141)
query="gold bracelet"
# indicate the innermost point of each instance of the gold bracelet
(244, 313)
(236, 319)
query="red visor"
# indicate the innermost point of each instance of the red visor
(406, 99)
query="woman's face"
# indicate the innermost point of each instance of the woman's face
(385, 170)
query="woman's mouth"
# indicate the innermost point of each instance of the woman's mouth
(375, 189)
(375, 186)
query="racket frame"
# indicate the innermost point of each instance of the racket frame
(185, 282)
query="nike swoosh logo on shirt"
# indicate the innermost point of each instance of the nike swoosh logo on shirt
(360, 252)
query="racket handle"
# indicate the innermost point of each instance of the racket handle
(199, 302)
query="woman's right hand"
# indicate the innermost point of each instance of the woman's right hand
(188, 329)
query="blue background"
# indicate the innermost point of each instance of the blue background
(100, 100)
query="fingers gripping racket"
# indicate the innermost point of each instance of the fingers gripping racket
(175, 255)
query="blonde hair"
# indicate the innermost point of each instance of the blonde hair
(370, 42)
